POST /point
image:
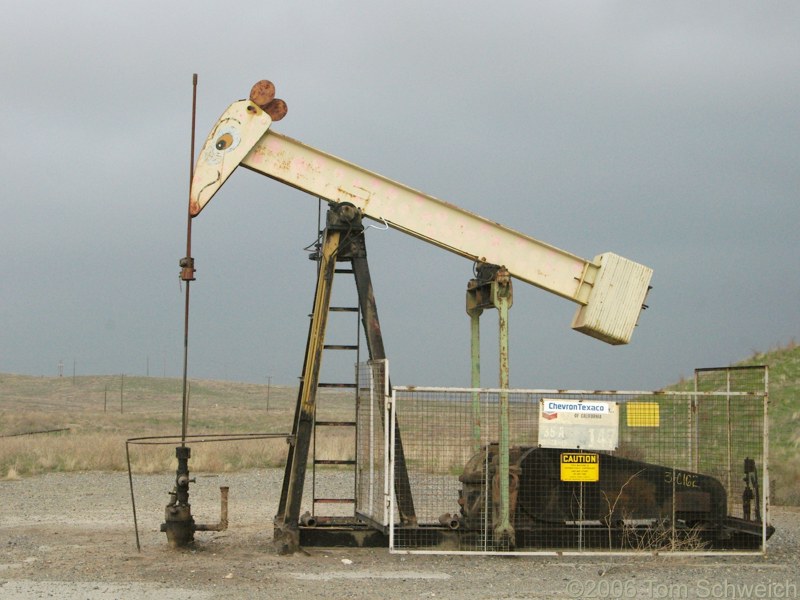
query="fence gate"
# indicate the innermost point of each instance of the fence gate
(372, 443)
(587, 471)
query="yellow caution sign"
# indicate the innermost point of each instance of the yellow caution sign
(580, 466)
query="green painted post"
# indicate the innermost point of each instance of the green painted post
(501, 293)
(475, 347)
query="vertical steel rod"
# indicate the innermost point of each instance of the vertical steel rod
(729, 432)
(765, 484)
(185, 401)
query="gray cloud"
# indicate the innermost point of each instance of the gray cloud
(666, 132)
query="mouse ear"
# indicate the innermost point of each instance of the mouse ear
(262, 93)
(276, 109)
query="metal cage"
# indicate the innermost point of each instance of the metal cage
(664, 472)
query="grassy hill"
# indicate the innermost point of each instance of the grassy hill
(84, 422)
(784, 420)
(98, 413)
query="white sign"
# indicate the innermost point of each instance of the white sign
(578, 424)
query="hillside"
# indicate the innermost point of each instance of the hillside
(101, 412)
(89, 418)
(784, 420)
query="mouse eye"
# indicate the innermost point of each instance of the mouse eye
(227, 139)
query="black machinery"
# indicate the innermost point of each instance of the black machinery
(630, 505)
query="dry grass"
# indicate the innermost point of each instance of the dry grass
(662, 537)
(100, 413)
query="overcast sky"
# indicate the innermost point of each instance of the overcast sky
(668, 133)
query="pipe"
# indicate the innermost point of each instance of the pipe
(450, 521)
(223, 514)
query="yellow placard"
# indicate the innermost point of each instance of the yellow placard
(642, 414)
(580, 466)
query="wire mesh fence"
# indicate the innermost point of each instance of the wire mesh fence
(727, 428)
(372, 474)
(585, 471)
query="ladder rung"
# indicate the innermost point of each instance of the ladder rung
(337, 385)
(343, 270)
(340, 347)
(335, 500)
(320, 461)
(343, 309)
(335, 423)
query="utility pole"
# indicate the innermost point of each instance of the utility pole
(269, 385)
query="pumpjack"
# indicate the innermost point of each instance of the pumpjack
(610, 290)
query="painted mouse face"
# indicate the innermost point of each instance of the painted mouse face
(236, 132)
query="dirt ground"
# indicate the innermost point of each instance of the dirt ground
(71, 536)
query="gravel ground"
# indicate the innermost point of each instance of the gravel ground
(71, 536)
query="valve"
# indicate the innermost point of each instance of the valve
(179, 524)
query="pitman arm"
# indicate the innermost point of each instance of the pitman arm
(609, 289)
